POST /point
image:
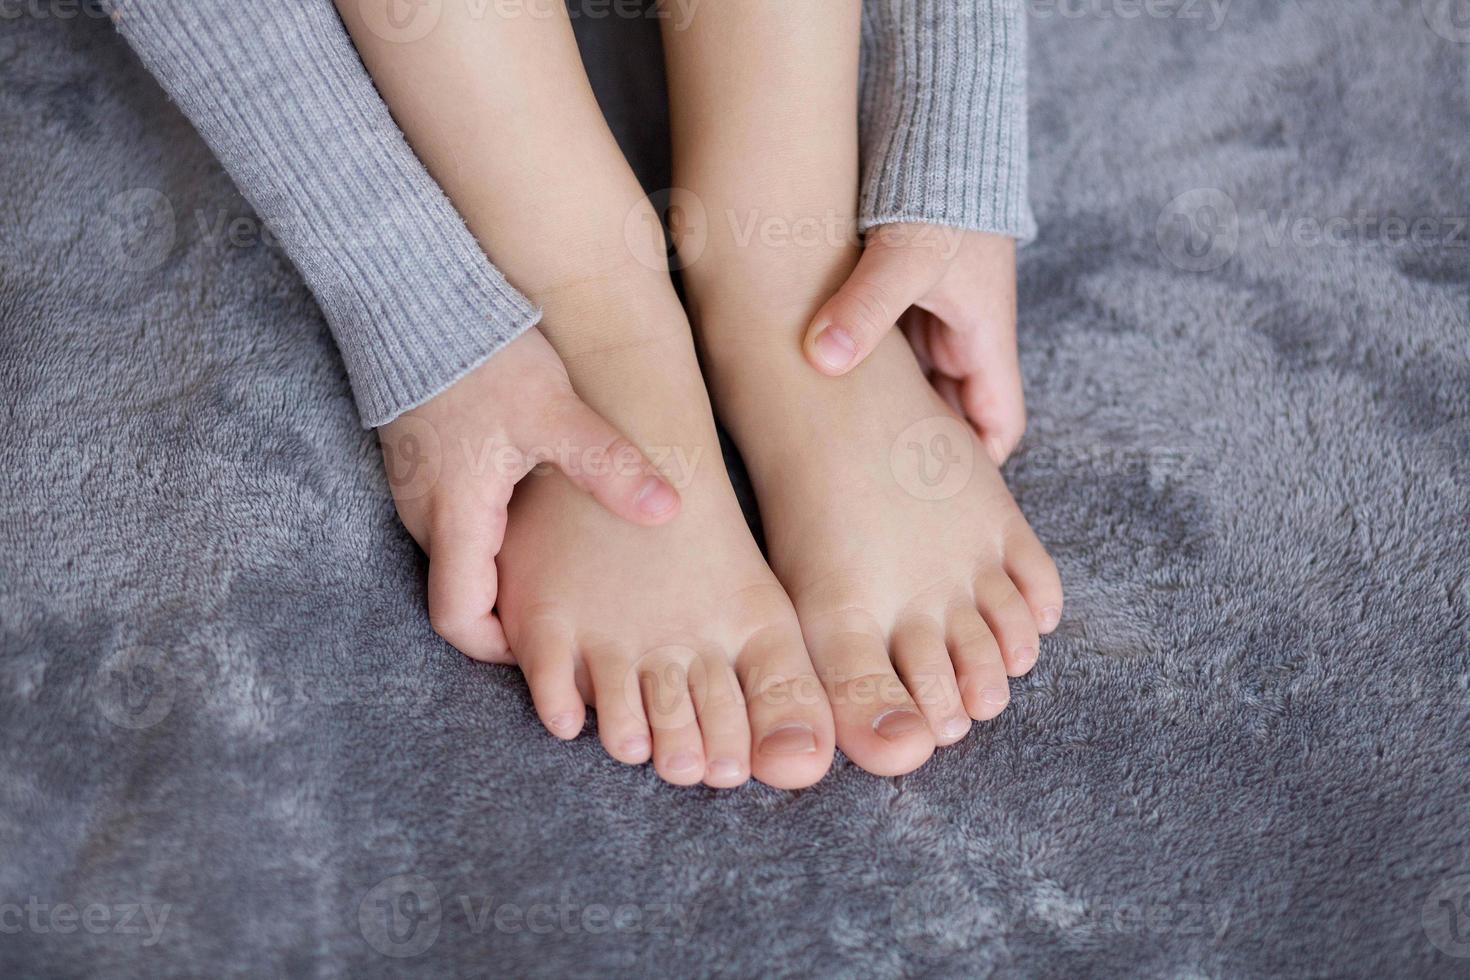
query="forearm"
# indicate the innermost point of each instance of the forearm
(283, 100)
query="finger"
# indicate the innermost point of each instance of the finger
(890, 277)
(463, 582)
(948, 389)
(605, 464)
(995, 403)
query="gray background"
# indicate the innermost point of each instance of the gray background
(1243, 753)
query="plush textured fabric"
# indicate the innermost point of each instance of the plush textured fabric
(1243, 754)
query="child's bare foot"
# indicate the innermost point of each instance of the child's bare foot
(680, 636)
(919, 585)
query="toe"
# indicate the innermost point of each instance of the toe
(923, 663)
(678, 747)
(1035, 577)
(550, 671)
(622, 724)
(792, 740)
(877, 723)
(1010, 619)
(978, 666)
(720, 707)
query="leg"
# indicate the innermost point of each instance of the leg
(679, 635)
(917, 581)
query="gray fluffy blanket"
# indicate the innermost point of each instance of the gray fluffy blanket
(233, 745)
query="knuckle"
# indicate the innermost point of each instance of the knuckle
(872, 307)
(452, 626)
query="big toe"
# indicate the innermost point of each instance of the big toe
(792, 739)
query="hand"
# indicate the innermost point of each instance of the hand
(954, 294)
(453, 462)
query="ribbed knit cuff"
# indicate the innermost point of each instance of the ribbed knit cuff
(279, 93)
(943, 112)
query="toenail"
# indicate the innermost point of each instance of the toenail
(1050, 616)
(955, 727)
(1024, 656)
(794, 739)
(682, 762)
(897, 723)
(564, 723)
(656, 498)
(636, 746)
(835, 347)
(995, 696)
(724, 769)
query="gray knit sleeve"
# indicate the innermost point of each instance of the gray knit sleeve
(944, 114)
(280, 95)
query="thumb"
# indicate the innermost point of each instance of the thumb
(889, 278)
(605, 463)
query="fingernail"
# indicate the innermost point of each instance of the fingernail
(955, 727)
(682, 761)
(895, 724)
(656, 498)
(835, 348)
(563, 723)
(1024, 657)
(1050, 616)
(995, 696)
(724, 769)
(793, 739)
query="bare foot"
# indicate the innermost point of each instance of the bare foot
(680, 635)
(919, 584)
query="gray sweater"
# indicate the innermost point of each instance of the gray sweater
(278, 91)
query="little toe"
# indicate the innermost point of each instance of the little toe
(792, 739)
(678, 746)
(1035, 576)
(550, 671)
(1010, 620)
(878, 725)
(722, 721)
(978, 666)
(622, 724)
(923, 663)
